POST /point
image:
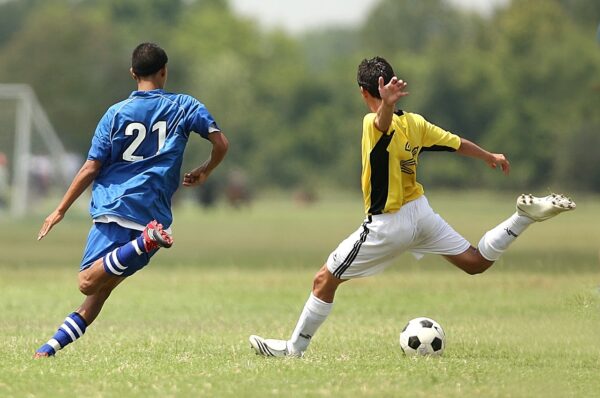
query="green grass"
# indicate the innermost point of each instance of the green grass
(526, 328)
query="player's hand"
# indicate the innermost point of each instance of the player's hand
(195, 177)
(50, 221)
(498, 159)
(390, 93)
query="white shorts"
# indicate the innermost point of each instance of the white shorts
(381, 238)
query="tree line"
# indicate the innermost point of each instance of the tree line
(524, 81)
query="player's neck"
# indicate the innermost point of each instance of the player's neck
(148, 85)
(373, 104)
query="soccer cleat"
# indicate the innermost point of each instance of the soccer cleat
(540, 209)
(271, 347)
(155, 237)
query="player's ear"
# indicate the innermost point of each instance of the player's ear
(363, 92)
(133, 75)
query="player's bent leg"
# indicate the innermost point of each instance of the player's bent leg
(530, 209)
(471, 261)
(93, 303)
(94, 278)
(76, 323)
(98, 278)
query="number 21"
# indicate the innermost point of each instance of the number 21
(132, 128)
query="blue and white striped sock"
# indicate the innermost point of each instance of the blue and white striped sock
(117, 261)
(72, 328)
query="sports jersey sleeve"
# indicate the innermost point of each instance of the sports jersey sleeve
(200, 120)
(436, 138)
(101, 147)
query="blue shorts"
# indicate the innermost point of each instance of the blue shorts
(106, 237)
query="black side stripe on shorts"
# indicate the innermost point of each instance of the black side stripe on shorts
(354, 252)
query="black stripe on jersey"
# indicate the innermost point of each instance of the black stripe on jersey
(437, 148)
(379, 159)
(354, 252)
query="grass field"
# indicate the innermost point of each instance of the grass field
(526, 328)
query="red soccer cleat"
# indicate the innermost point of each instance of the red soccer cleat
(155, 237)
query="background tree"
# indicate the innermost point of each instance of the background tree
(524, 81)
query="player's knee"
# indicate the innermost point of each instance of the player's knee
(321, 279)
(477, 266)
(325, 285)
(86, 288)
(86, 285)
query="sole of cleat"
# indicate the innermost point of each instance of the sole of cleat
(162, 242)
(540, 209)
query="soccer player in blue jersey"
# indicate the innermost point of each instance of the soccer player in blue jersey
(398, 215)
(134, 164)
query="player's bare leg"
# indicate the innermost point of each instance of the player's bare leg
(530, 209)
(92, 305)
(471, 261)
(315, 311)
(325, 285)
(97, 282)
(97, 288)
(95, 278)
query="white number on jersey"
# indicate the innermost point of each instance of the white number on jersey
(139, 130)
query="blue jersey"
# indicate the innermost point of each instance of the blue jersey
(140, 143)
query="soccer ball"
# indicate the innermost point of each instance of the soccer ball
(423, 336)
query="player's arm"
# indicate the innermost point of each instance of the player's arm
(468, 148)
(82, 180)
(219, 149)
(390, 94)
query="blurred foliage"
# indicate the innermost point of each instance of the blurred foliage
(524, 81)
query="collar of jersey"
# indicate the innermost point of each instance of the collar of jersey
(402, 120)
(147, 93)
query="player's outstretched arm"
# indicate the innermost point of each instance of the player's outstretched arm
(219, 149)
(468, 148)
(82, 180)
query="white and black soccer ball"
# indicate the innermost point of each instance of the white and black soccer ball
(423, 336)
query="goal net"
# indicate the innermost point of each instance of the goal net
(33, 159)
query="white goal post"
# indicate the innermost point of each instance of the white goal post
(30, 116)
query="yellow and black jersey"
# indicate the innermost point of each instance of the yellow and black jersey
(389, 160)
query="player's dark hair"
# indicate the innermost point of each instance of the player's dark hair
(369, 71)
(147, 59)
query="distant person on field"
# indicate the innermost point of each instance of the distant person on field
(237, 190)
(134, 164)
(398, 216)
(3, 180)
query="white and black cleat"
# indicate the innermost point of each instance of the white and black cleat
(540, 209)
(271, 347)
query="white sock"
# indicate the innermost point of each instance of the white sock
(496, 241)
(313, 315)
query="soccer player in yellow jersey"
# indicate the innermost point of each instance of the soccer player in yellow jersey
(399, 218)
